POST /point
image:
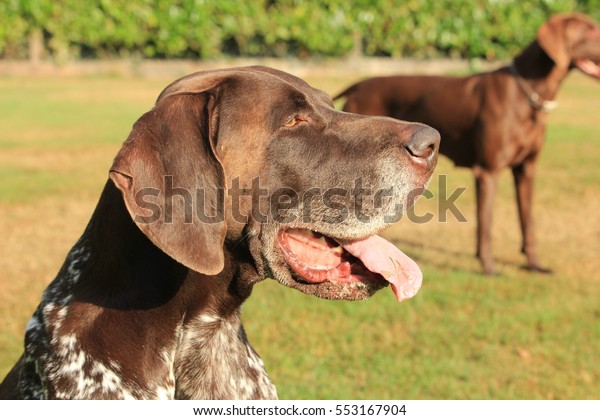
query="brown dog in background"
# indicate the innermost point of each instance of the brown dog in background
(494, 120)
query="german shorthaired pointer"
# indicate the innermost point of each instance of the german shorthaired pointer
(495, 120)
(234, 176)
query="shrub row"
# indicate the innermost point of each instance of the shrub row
(213, 28)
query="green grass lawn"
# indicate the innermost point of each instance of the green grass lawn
(517, 335)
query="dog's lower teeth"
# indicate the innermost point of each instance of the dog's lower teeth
(307, 232)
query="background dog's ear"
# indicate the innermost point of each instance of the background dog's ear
(172, 181)
(552, 38)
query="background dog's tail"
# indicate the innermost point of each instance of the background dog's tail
(346, 92)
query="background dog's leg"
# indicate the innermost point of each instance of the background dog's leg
(485, 183)
(524, 175)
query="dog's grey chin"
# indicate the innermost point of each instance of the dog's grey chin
(330, 290)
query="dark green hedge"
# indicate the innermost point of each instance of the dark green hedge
(213, 28)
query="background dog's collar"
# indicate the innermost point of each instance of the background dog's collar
(535, 100)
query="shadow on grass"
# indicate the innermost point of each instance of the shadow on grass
(457, 255)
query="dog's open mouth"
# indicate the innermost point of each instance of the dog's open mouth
(316, 258)
(589, 67)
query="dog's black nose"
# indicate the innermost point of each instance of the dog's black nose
(423, 145)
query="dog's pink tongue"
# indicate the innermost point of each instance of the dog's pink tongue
(382, 257)
(589, 67)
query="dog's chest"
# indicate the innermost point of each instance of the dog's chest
(57, 365)
(207, 358)
(215, 361)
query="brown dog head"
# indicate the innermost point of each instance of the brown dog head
(572, 41)
(257, 157)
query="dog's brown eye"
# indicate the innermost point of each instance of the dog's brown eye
(294, 121)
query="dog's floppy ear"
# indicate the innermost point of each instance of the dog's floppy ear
(172, 181)
(552, 38)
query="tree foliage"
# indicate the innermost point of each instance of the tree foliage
(213, 28)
